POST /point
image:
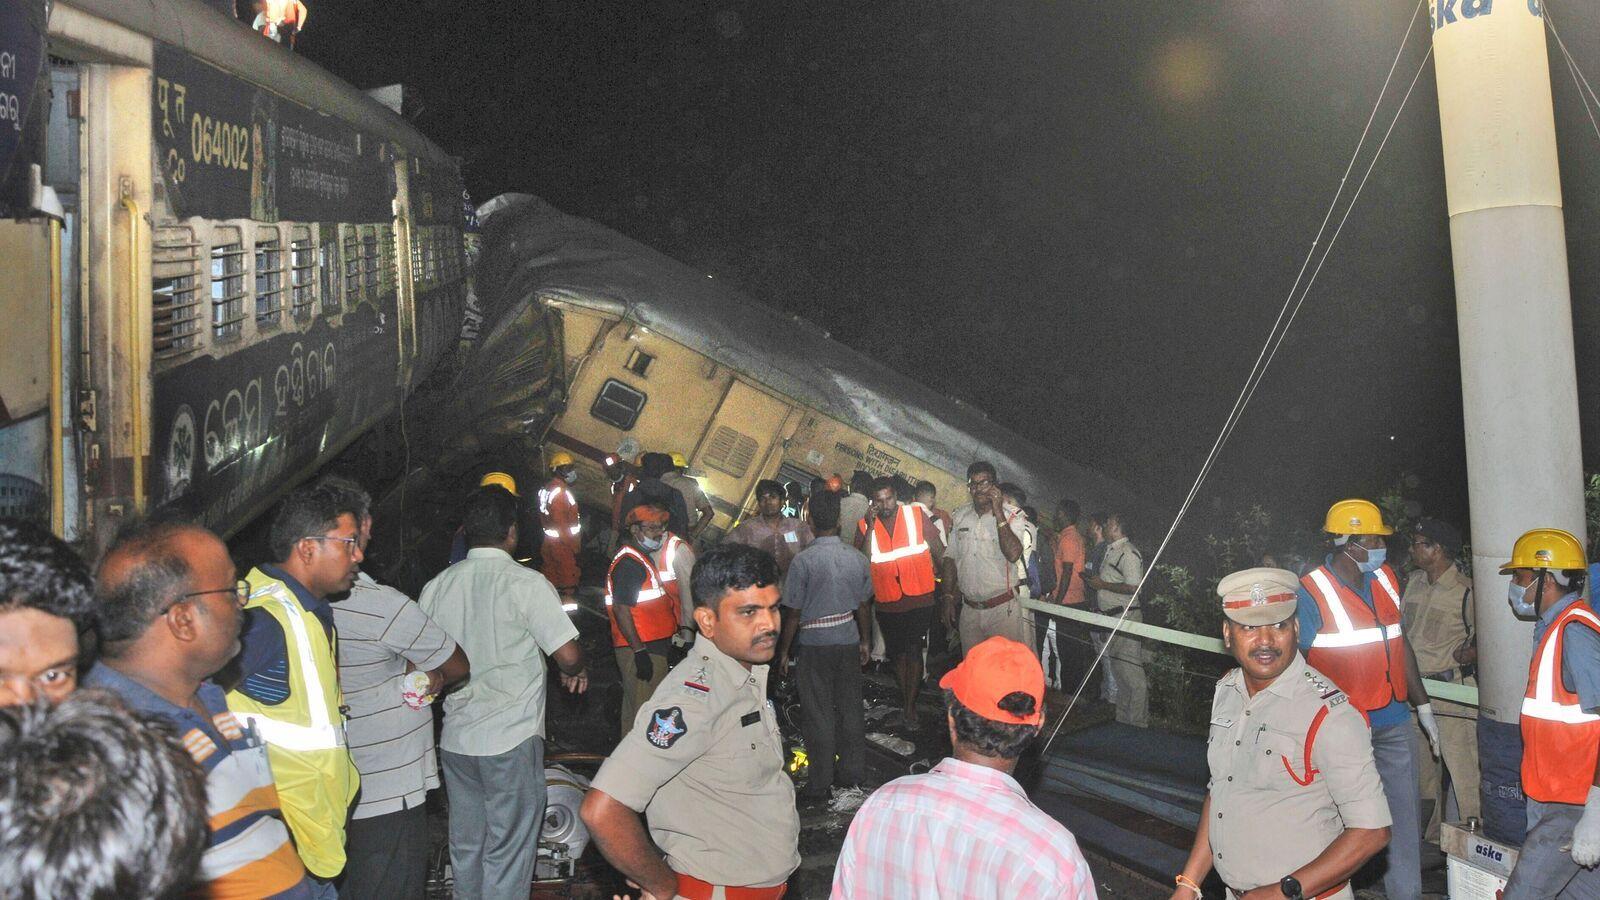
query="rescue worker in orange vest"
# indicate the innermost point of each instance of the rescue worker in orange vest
(644, 614)
(675, 564)
(1349, 611)
(1560, 720)
(563, 529)
(903, 545)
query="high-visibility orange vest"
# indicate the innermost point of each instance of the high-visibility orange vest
(558, 514)
(1560, 742)
(902, 564)
(655, 614)
(1362, 651)
(669, 577)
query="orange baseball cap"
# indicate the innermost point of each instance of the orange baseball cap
(993, 669)
(649, 515)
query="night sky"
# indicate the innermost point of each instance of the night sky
(1080, 218)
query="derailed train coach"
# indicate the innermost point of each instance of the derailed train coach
(221, 263)
(656, 356)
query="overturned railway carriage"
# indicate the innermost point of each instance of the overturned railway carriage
(656, 356)
(222, 264)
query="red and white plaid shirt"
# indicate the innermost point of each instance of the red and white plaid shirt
(959, 831)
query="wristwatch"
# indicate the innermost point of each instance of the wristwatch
(1291, 888)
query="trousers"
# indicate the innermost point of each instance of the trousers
(634, 691)
(1125, 665)
(388, 856)
(1395, 757)
(1544, 870)
(831, 720)
(1458, 744)
(1008, 619)
(496, 811)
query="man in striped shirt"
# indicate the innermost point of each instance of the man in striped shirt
(170, 601)
(966, 829)
(383, 637)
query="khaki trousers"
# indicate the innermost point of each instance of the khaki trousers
(634, 691)
(1008, 619)
(1125, 661)
(1458, 742)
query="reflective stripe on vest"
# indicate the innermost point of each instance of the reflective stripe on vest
(1348, 635)
(655, 613)
(1560, 742)
(1542, 700)
(322, 733)
(669, 555)
(650, 590)
(916, 541)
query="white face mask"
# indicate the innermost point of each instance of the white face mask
(651, 544)
(570, 477)
(1520, 604)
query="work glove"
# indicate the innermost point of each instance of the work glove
(643, 667)
(1586, 835)
(1430, 726)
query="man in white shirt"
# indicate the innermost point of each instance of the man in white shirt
(507, 618)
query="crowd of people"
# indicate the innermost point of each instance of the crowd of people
(166, 725)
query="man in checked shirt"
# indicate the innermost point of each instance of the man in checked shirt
(966, 829)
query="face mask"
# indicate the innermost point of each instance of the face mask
(652, 544)
(1518, 595)
(1374, 560)
(570, 478)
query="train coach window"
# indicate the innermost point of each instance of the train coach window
(386, 259)
(369, 260)
(352, 268)
(618, 404)
(227, 285)
(302, 273)
(175, 292)
(328, 265)
(269, 278)
(639, 362)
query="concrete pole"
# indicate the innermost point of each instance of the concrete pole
(1514, 314)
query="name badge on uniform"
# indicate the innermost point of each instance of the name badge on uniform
(1222, 722)
(791, 537)
(749, 719)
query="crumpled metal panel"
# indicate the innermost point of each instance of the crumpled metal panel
(532, 249)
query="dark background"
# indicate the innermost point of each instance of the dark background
(1081, 218)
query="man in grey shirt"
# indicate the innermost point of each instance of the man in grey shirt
(827, 589)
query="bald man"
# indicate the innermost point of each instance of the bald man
(170, 611)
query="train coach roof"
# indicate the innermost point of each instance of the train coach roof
(204, 31)
(532, 249)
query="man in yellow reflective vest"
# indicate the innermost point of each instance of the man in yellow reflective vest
(1350, 631)
(288, 687)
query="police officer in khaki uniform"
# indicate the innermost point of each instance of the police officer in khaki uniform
(1115, 584)
(1295, 806)
(704, 760)
(1437, 612)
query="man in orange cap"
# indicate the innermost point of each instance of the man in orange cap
(644, 613)
(966, 828)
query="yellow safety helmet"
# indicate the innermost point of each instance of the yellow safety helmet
(679, 460)
(1545, 548)
(560, 458)
(1355, 517)
(499, 479)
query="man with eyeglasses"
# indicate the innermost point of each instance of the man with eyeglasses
(46, 606)
(288, 677)
(170, 614)
(1437, 614)
(979, 586)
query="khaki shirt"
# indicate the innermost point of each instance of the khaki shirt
(1264, 825)
(1432, 618)
(982, 570)
(704, 763)
(1122, 564)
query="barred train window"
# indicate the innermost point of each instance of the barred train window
(369, 261)
(269, 278)
(618, 404)
(328, 265)
(302, 272)
(352, 267)
(227, 285)
(387, 259)
(175, 292)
